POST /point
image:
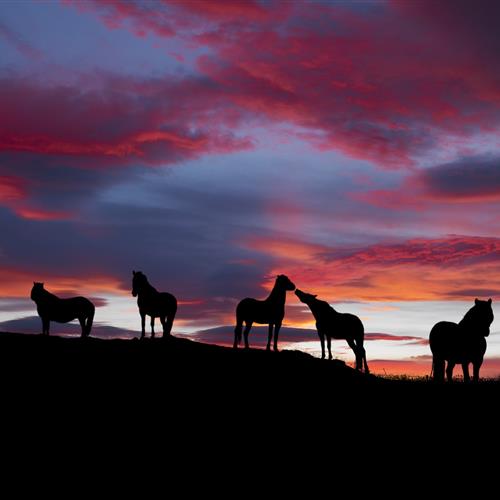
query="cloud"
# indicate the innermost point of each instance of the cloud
(224, 335)
(33, 324)
(384, 83)
(16, 41)
(471, 293)
(151, 122)
(94, 132)
(471, 178)
(418, 269)
(392, 337)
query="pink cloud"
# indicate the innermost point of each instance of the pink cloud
(384, 84)
(19, 44)
(116, 125)
(418, 269)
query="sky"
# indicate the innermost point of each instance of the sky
(353, 146)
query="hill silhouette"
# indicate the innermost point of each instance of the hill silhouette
(183, 370)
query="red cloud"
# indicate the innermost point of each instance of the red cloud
(14, 194)
(385, 83)
(40, 214)
(18, 283)
(11, 189)
(130, 121)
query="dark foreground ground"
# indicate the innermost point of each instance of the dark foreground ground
(180, 372)
(188, 402)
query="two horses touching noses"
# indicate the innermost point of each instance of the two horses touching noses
(329, 323)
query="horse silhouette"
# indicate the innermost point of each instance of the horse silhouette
(52, 308)
(270, 311)
(153, 303)
(461, 343)
(332, 324)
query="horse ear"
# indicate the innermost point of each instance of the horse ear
(489, 301)
(314, 296)
(34, 283)
(476, 302)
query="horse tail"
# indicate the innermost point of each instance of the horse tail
(90, 320)
(169, 323)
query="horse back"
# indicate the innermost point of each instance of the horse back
(64, 310)
(441, 335)
(341, 325)
(259, 311)
(449, 341)
(158, 305)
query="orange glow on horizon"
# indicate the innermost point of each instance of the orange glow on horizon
(416, 270)
(17, 284)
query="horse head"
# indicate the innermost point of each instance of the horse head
(306, 298)
(284, 282)
(37, 290)
(138, 280)
(479, 318)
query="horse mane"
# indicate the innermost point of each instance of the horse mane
(43, 293)
(146, 282)
(474, 317)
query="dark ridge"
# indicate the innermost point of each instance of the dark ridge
(231, 388)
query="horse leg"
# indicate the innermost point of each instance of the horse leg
(438, 369)
(354, 348)
(362, 352)
(248, 325)
(329, 344)
(143, 325)
(465, 369)
(45, 326)
(90, 320)
(81, 320)
(170, 322)
(237, 333)
(269, 337)
(162, 321)
(449, 371)
(152, 327)
(367, 370)
(322, 341)
(276, 333)
(476, 365)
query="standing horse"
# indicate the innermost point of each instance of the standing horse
(153, 303)
(52, 308)
(270, 311)
(332, 324)
(463, 343)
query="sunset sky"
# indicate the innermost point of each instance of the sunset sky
(353, 146)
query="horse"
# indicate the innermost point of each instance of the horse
(153, 303)
(52, 308)
(332, 324)
(270, 311)
(462, 343)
